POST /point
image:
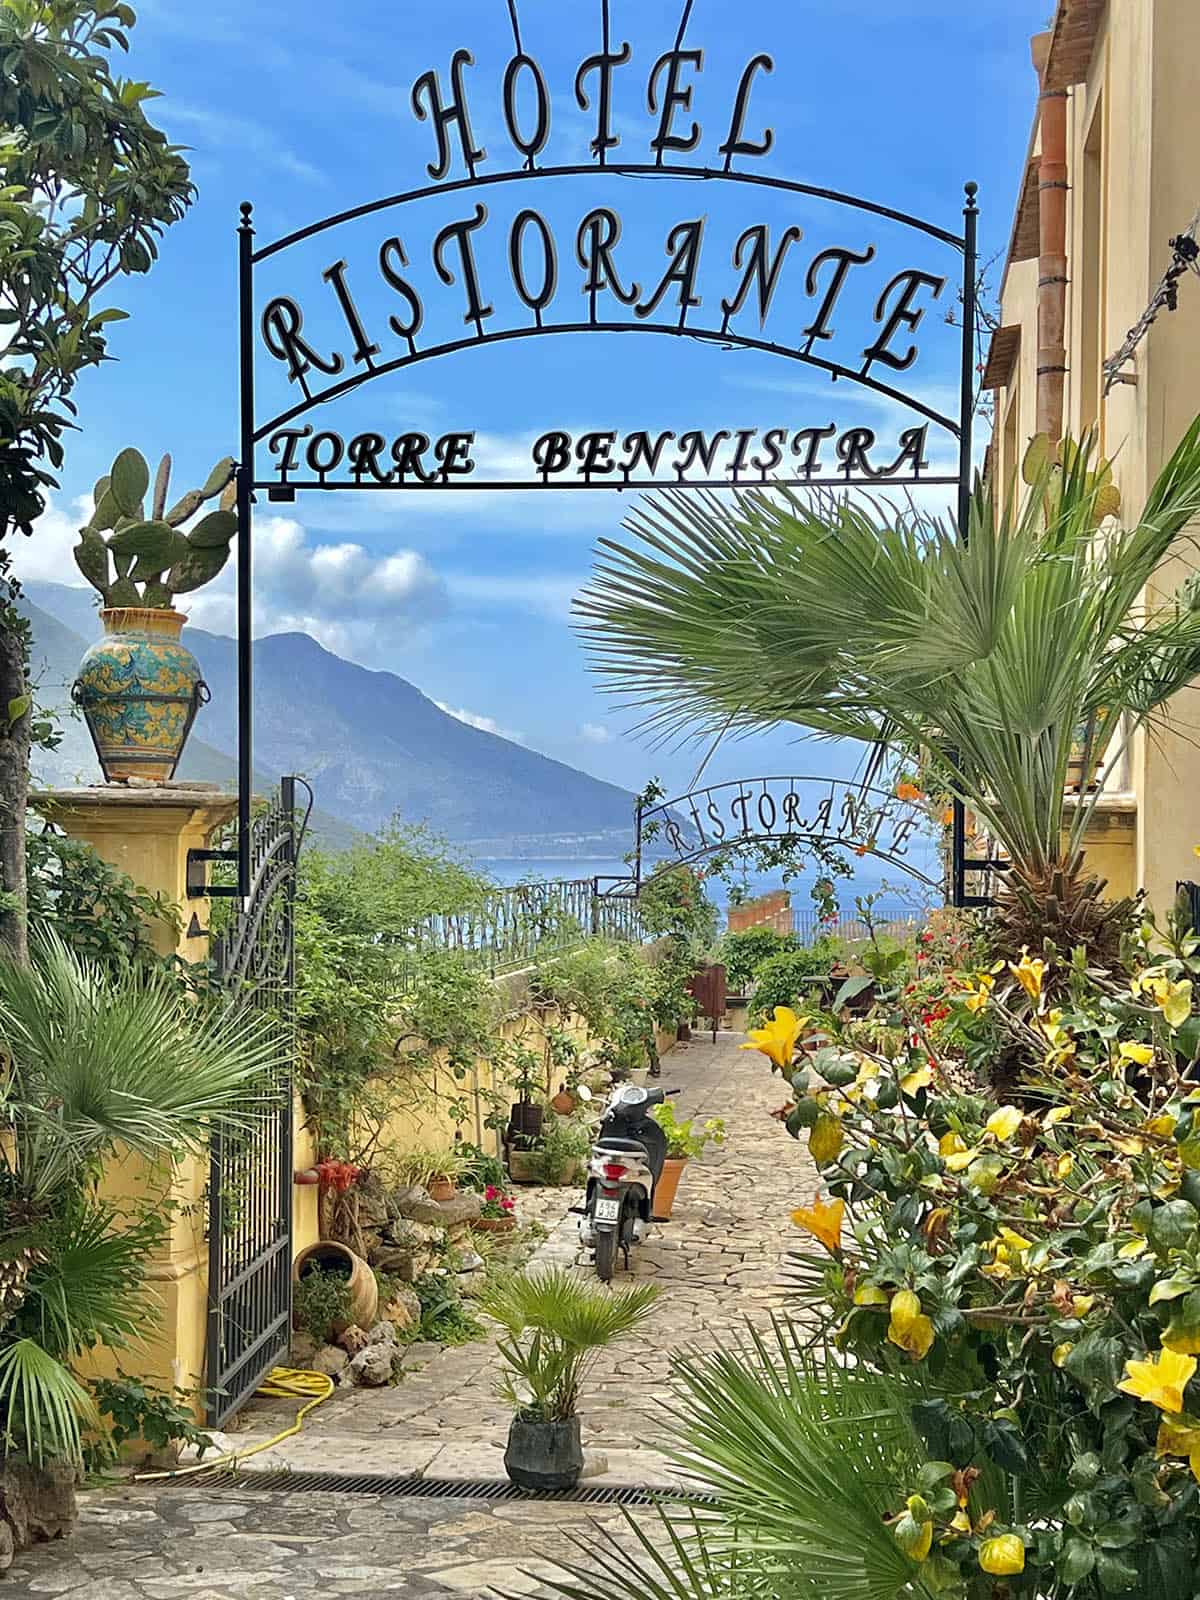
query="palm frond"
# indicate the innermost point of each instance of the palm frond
(89, 1286)
(804, 1458)
(774, 606)
(99, 1061)
(42, 1404)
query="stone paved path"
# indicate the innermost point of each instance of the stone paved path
(717, 1264)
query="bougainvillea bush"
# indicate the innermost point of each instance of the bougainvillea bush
(1027, 1272)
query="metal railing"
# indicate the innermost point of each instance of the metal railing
(897, 922)
(510, 928)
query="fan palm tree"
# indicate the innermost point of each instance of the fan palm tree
(982, 656)
(555, 1323)
(96, 1066)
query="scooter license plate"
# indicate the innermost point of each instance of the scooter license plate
(608, 1210)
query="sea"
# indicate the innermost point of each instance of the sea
(899, 895)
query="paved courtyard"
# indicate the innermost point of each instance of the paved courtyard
(717, 1264)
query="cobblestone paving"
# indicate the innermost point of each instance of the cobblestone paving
(717, 1263)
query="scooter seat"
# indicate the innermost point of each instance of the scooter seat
(625, 1146)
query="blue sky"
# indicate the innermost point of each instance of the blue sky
(304, 108)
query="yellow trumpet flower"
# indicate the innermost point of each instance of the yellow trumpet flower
(1029, 972)
(979, 991)
(823, 1219)
(1004, 1123)
(1160, 1380)
(777, 1038)
(1002, 1556)
(1140, 1054)
(908, 1328)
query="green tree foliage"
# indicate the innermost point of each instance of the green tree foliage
(88, 186)
(786, 979)
(94, 907)
(375, 1000)
(744, 952)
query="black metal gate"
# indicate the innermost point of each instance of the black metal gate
(250, 1182)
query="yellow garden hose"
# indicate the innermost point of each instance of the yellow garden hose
(281, 1383)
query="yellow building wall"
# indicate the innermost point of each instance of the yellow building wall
(1133, 134)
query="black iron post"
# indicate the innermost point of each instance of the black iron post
(245, 573)
(966, 440)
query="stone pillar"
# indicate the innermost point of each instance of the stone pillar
(147, 832)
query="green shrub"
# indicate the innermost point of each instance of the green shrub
(743, 953)
(782, 980)
(444, 1318)
(482, 1171)
(563, 1145)
(320, 1299)
(136, 1410)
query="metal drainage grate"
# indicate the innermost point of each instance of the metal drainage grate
(436, 1488)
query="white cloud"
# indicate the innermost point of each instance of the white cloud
(340, 594)
(550, 596)
(595, 733)
(217, 131)
(474, 720)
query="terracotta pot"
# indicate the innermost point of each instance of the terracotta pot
(494, 1224)
(329, 1256)
(563, 1103)
(544, 1455)
(666, 1187)
(441, 1189)
(139, 689)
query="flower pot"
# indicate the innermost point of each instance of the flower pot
(666, 1187)
(494, 1224)
(544, 1455)
(329, 1256)
(563, 1103)
(520, 1166)
(139, 689)
(525, 1120)
(441, 1189)
(683, 1032)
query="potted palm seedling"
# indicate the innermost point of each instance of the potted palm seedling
(553, 1326)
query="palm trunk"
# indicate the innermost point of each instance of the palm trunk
(14, 788)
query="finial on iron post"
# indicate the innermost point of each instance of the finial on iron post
(971, 190)
(247, 210)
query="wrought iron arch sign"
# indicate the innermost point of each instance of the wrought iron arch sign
(785, 810)
(319, 367)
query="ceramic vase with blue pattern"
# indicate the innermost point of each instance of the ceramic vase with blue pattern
(139, 689)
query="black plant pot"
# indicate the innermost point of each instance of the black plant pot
(525, 1121)
(544, 1455)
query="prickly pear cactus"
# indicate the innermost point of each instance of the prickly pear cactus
(139, 560)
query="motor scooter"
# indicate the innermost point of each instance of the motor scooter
(624, 1167)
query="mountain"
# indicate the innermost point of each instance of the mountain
(371, 744)
(57, 651)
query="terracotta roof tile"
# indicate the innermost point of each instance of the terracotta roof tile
(1075, 28)
(1002, 357)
